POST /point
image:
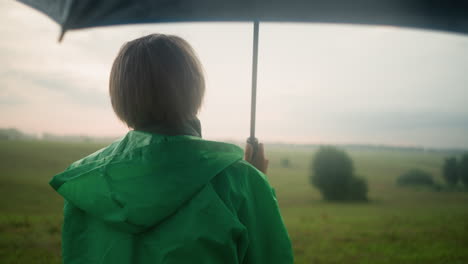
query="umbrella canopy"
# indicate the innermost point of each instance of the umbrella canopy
(448, 15)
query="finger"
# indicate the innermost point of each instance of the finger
(248, 152)
(260, 152)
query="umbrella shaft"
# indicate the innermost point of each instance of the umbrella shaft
(254, 81)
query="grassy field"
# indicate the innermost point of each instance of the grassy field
(398, 225)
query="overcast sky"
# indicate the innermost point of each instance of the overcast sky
(316, 83)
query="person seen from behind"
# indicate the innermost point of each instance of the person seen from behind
(162, 194)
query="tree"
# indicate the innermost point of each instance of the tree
(450, 171)
(333, 175)
(463, 169)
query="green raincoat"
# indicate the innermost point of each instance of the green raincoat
(150, 198)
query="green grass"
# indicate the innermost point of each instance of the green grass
(398, 225)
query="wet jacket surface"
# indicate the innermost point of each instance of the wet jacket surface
(150, 198)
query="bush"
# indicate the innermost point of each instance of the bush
(285, 163)
(333, 175)
(415, 177)
(357, 189)
(463, 169)
(450, 171)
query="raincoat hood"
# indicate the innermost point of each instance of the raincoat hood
(144, 178)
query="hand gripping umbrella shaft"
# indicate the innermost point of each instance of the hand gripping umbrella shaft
(253, 104)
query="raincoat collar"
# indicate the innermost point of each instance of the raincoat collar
(189, 128)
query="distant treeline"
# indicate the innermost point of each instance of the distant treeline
(372, 147)
(15, 134)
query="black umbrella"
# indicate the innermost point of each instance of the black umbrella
(447, 15)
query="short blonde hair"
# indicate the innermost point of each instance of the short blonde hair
(156, 78)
